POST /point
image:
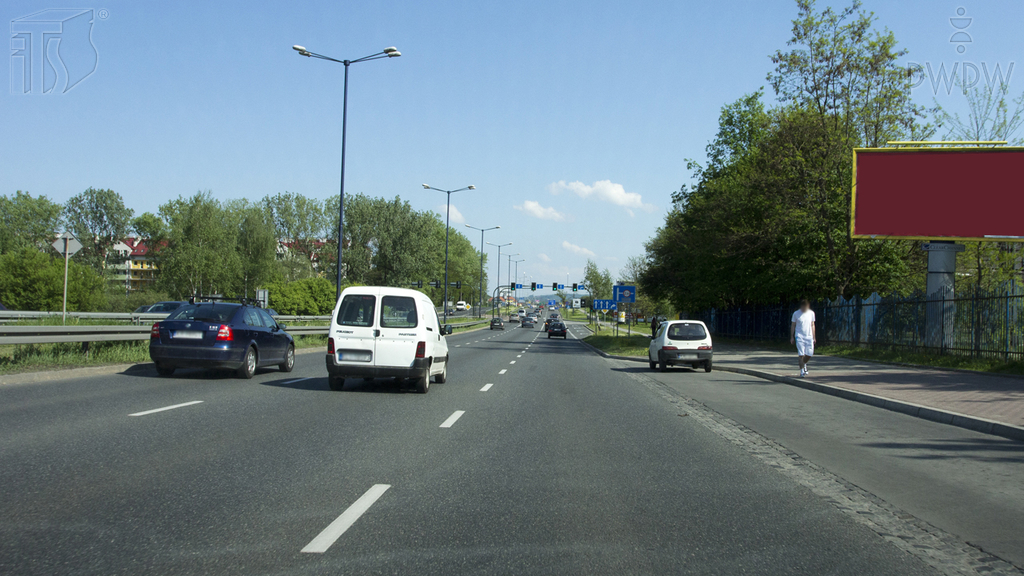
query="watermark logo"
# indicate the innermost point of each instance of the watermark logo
(52, 51)
(962, 74)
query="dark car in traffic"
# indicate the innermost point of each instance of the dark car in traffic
(497, 324)
(527, 322)
(557, 328)
(220, 335)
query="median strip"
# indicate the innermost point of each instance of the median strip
(451, 419)
(335, 529)
(165, 408)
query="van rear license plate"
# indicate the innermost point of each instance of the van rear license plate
(188, 334)
(354, 356)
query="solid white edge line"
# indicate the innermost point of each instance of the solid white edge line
(166, 408)
(502, 371)
(335, 529)
(451, 419)
(486, 387)
(297, 380)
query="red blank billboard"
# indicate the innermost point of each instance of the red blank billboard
(966, 193)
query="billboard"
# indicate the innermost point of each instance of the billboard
(938, 193)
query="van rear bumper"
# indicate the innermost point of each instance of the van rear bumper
(370, 371)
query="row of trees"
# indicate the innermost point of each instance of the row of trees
(200, 245)
(768, 219)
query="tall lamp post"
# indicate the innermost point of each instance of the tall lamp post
(498, 266)
(447, 227)
(480, 304)
(510, 266)
(389, 52)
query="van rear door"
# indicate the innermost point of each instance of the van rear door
(400, 327)
(354, 330)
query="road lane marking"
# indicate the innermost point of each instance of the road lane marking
(335, 529)
(486, 387)
(502, 371)
(458, 345)
(451, 419)
(512, 362)
(167, 408)
(297, 380)
(519, 355)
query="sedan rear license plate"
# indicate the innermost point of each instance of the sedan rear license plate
(188, 334)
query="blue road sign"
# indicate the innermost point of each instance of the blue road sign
(604, 305)
(624, 293)
(581, 287)
(551, 302)
(540, 286)
(519, 286)
(561, 286)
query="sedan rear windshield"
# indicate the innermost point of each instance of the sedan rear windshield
(357, 310)
(686, 332)
(219, 313)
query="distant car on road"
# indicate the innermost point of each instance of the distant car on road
(557, 328)
(222, 335)
(161, 307)
(497, 324)
(528, 322)
(681, 342)
(555, 315)
(513, 317)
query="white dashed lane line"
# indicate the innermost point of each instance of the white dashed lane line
(502, 371)
(486, 387)
(165, 408)
(335, 529)
(512, 362)
(451, 419)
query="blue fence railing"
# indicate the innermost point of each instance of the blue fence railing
(977, 324)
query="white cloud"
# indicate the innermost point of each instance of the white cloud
(537, 211)
(605, 191)
(544, 257)
(576, 249)
(456, 216)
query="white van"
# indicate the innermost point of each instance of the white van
(382, 332)
(461, 306)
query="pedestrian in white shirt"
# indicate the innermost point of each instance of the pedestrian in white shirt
(802, 333)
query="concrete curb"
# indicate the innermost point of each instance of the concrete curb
(965, 421)
(42, 376)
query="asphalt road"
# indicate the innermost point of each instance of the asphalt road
(536, 457)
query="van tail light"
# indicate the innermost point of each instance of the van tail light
(669, 348)
(421, 350)
(330, 345)
(704, 348)
(155, 331)
(224, 334)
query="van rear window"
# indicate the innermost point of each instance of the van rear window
(686, 332)
(397, 312)
(357, 310)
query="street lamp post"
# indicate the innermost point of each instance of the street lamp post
(498, 266)
(389, 52)
(480, 304)
(516, 278)
(447, 227)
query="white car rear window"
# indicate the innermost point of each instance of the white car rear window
(357, 310)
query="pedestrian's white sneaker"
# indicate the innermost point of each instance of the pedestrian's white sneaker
(803, 372)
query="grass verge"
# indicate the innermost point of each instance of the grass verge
(620, 345)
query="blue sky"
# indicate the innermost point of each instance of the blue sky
(572, 119)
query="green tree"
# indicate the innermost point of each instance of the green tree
(598, 282)
(302, 223)
(33, 280)
(200, 257)
(27, 221)
(257, 248)
(99, 219)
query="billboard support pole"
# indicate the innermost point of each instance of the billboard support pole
(939, 292)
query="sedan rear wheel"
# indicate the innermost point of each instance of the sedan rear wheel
(164, 370)
(248, 367)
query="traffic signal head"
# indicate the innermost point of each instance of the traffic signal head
(512, 286)
(533, 285)
(554, 285)
(419, 284)
(575, 287)
(458, 284)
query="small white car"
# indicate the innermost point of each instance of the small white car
(461, 306)
(681, 343)
(382, 332)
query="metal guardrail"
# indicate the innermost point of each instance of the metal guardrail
(126, 316)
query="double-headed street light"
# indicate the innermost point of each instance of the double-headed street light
(510, 265)
(389, 52)
(447, 227)
(480, 303)
(498, 266)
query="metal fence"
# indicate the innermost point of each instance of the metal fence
(976, 324)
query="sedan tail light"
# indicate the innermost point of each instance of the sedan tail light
(330, 345)
(704, 348)
(669, 348)
(155, 332)
(421, 350)
(224, 333)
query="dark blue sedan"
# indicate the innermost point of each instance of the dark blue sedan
(220, 335)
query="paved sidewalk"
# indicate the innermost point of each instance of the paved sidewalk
(995, 398)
